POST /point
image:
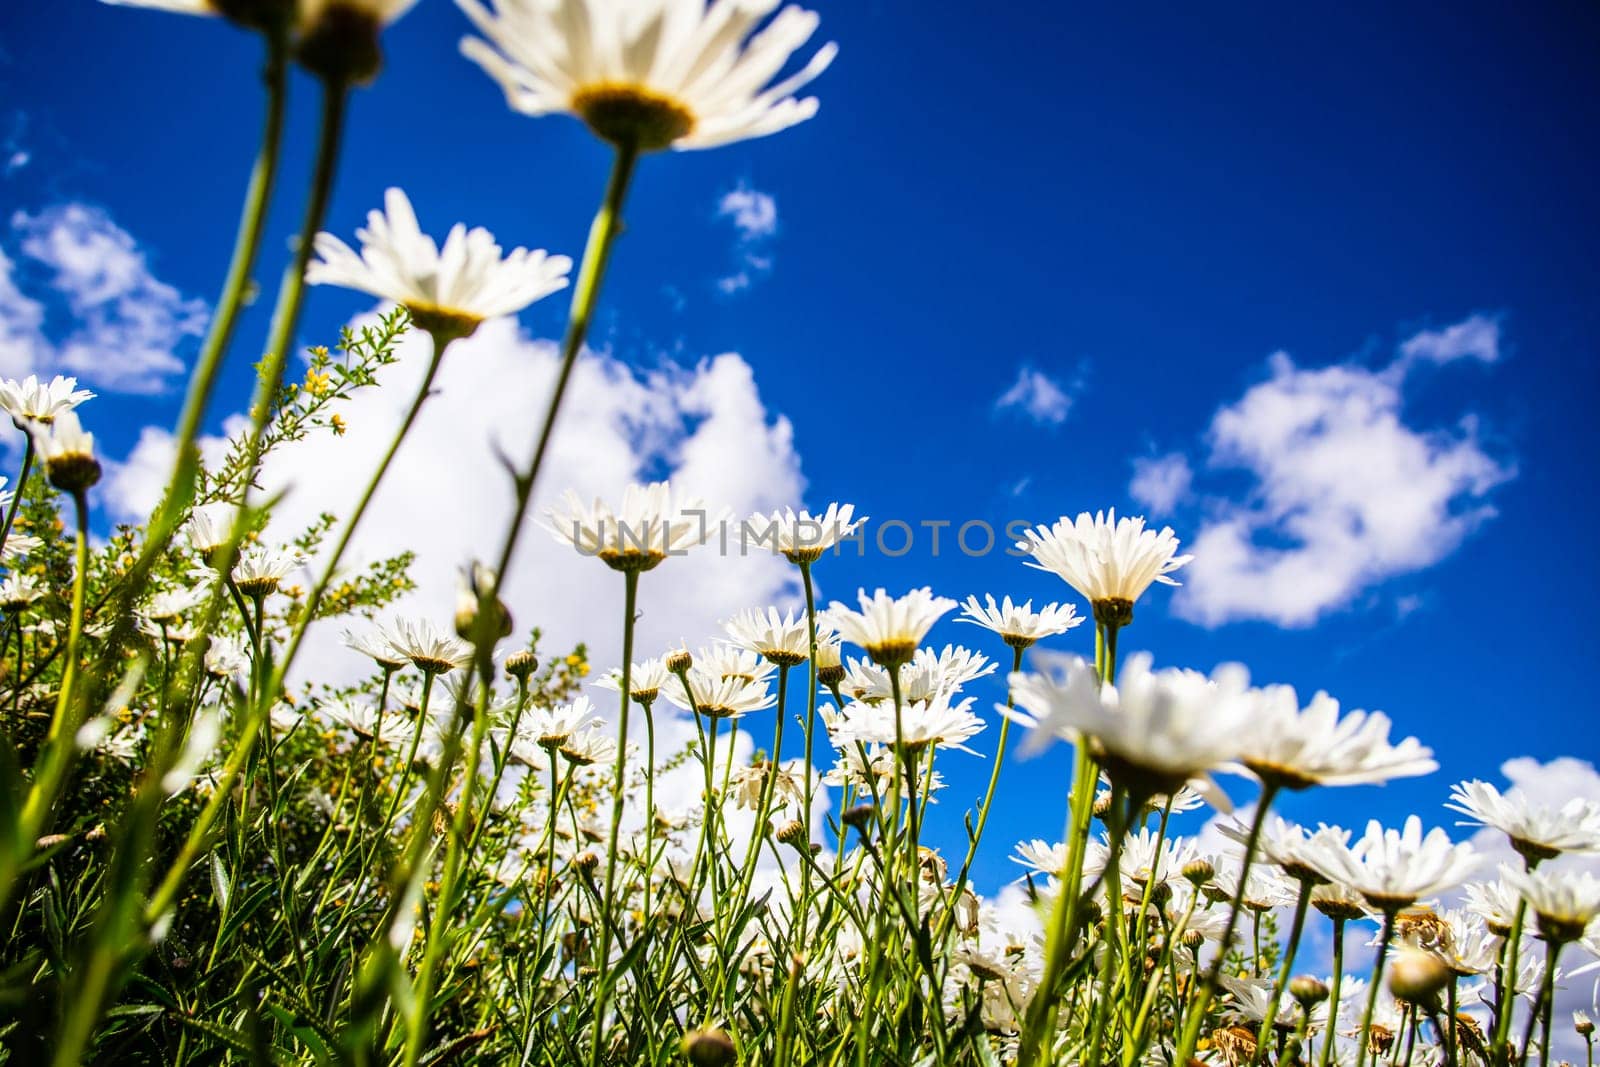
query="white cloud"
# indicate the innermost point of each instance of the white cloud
(1038, 396)
(754, 215)
(22, 344)
(1345, 493)
(447, 498)
(127, 323)
(1476, 337)
(1160, 483)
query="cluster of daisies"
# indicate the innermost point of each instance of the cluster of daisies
(1157, 738)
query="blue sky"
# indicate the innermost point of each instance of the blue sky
(1137, 206)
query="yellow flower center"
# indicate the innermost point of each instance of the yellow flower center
(632, 115)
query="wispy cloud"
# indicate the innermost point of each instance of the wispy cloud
(754, 215)
(1038, 396)
(1343, 492)
(1160, 483)
(127, 324)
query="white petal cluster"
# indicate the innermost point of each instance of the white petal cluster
(461, 284)
(1106, 559)
(1019, 625)
(683, 73)
(1394, 869)
(1294, 748)
(1536, 830)
(653, 523)
(802, 537)
(889, 628)
(35, 401)
(1158, 728)
(781, 639)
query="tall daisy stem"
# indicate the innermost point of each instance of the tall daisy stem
(1269, 1020)
(585, 294)
(1372, 987)
(16, 497)
(1333, 991)
(606, 978)
(1202, 1002)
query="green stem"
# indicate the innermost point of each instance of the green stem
(1506, 995)
(441, 341)
(630, 601)
(1333, 991)
(591, 273)
(1373, 985)
(1295, 927)
(61, 739)
(16, 497)
(1202, 1002)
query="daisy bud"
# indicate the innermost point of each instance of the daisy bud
(1193, 939)
(475, 581)
(831, 676)
(586, 861)
(521, 664)
(1308, 990)
(339, 40)
(1582, 1024)
(1417, 976)
(1091, 912)
(709, 1048)
(1199, 872)
(1102, 806)
(1160, 893)
(679, 661)
(859, 816)
(793, 833)
(68, 453)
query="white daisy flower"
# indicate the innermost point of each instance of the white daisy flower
(430, 650)
(451, 289)
(33, 401)
(1494, 903)
(782, 640)
(644, 679)
(1043, 857)
(260, 569)
(802, 537)
(1566, 901)
(646, 74)
(1110, 561)
(18, 545)
(18, 591)
(1393, 869)
(889, 629)
(727, 660)
(379, 646)
(364, 721)
(652, 524)
(226, 657)
(877, 768)
(588, 746)
(1019, 625)
(1286, 747)
(937, 722)
(67, 450)
(553, 727)
(1537, 831)
(1154, 731)
(718, 696)
(169, 604)
(1305, 855)
(210, 527)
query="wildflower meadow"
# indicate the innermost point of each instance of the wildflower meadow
(209, 855)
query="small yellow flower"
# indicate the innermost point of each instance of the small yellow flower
(339, 427)
(318, 382)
